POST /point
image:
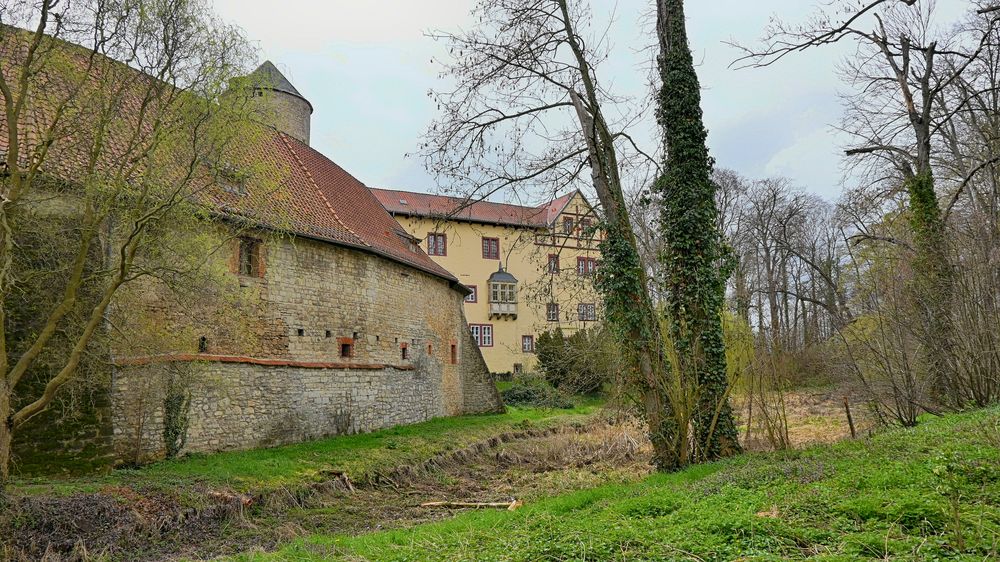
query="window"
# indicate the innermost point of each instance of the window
(430, 349)
(586, 266)
(437, 244)
(568, 225)
(346, 348)
(404, 351)
(454, 354)
(491, 248)
(553, 266)
(587, 312)
(249, 257)
(552, 312)
(203, 344)
(518, 368)
(474, 295)
(503, 292)
(483, 334)
(585, 228)
(528, 344)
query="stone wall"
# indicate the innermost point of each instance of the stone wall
(73, 436)
(241, 406)
(312, 298)
(479, 390)
(287, 113)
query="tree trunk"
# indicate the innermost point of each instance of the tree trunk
(934, 288)
(622, 281)
(742, 293)
(688, 221)
(6, 423)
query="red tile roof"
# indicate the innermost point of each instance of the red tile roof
(314, 197)
(332, 204)
(414, 204)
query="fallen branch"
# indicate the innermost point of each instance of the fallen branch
(511, 506)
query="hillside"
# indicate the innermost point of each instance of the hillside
(929, 493)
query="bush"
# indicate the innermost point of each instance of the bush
(579, 364)
(539, 395)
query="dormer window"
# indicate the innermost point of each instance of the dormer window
(503, 294)
(411, 243)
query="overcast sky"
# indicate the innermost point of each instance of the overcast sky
(365, 66)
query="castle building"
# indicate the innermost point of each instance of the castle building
(355, 327)
(530, 269)
(360, 329)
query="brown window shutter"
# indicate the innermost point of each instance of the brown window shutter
(234, 256)
(261, 259)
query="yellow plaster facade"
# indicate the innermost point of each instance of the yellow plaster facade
(507, 334)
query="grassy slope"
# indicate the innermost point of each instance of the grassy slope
(882, 498)
(262, 470)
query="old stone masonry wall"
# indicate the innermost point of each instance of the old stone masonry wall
(240, 406)
(411, 358)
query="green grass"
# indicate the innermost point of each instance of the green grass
(890, 497)
(262, 470)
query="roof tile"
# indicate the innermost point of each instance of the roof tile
(414, 204)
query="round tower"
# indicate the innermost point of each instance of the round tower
(289, 111)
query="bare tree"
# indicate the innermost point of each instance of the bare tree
(115, 118)
(528, 112)
(901, 67)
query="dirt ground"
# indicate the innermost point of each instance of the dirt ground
(131, 524)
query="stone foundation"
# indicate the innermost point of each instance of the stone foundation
(240, 406)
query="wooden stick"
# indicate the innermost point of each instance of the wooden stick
(511, 506)
(850, 420)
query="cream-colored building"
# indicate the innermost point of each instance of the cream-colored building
(530, 268)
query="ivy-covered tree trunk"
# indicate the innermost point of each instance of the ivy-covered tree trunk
(933, 287)
(623, 284)
(693, 251)
(6, 437)
(630, 315)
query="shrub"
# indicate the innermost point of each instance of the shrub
(581, 363)
(539, 394)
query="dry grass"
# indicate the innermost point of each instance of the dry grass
(814, 417)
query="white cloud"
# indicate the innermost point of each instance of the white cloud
(364, 64)
(314, 24)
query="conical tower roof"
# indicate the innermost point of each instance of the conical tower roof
(268, 76)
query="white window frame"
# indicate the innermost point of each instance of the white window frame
(530, 341)
(552, 312)
(483, 334)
